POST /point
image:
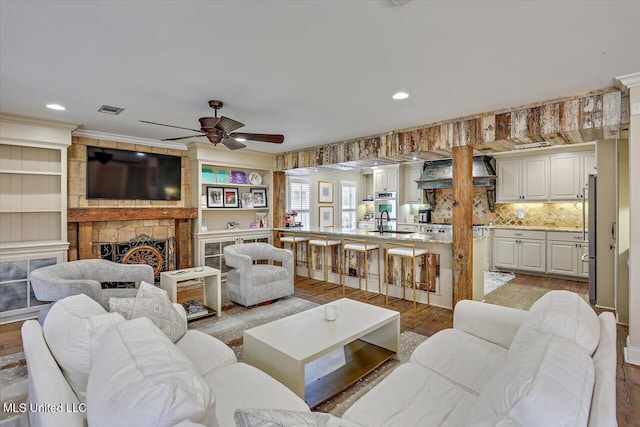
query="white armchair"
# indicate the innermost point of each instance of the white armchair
(250, 284)
(55, 282)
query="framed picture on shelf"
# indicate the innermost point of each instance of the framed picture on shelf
(230, 197)
(259, 197)
(325, 192)
(247, 200)
(214, 197)
(326, 216)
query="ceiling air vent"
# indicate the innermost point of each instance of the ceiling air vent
(108, 109)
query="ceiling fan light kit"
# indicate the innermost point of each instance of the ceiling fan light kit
(220, 130)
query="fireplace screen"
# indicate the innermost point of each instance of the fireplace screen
(158, 253)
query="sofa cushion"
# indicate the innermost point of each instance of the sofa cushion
(263, 274)
(464, 359)
(159, 310)
(561, 313)
(141, 378)
(412, 395)
(547, 382)
(243, 386)
(205, 352)
(72, 330)
(287, 418)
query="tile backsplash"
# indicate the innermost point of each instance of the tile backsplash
(532, 214)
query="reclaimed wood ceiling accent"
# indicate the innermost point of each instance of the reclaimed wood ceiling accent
(600, 114)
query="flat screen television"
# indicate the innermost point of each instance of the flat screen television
(132, 175)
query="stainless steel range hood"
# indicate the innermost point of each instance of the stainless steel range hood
(439, 174)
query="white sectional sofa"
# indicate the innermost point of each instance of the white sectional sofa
(554, 365)
(106, 371)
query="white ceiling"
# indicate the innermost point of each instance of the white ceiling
(316, 71)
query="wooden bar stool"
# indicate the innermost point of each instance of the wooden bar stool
(294, 239)
(404, 250)
(325, 243)
(360, 247)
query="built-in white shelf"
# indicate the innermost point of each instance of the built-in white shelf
(235, 209)
(228, 184)
(27, 172)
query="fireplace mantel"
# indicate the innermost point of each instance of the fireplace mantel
(85, 217)
(124, 214)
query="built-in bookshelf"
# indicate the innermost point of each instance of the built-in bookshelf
(33, 208)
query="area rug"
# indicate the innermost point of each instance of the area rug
(494, 279)
(235, 319)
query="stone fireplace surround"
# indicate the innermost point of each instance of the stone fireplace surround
(91, 221)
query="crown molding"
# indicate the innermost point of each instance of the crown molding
(37, 122)
(129, 139)
(628, 81)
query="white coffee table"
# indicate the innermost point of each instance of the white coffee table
(291, 348)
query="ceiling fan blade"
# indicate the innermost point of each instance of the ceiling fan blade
(264, 137)
(232, 144)
(170, 126)
(181, 137)
(228, 125)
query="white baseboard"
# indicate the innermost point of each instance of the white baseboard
(631, 354)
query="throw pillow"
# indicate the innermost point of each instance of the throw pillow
(73, 329)
(286, 418)
(142, 379)
(560, 313)
(147, 290)
(159, 310)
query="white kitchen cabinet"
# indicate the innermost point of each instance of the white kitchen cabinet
(519, 250)
(407, 227)
(411, 192)
(564, 254)
(366, 225)
(385, 179)
(523, 179)
(569, 172)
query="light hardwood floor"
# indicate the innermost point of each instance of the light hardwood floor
(521, 293)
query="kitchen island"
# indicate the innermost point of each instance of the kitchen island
(435, 272)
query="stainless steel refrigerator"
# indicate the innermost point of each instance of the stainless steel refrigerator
(592, 255)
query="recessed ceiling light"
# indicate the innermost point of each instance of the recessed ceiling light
(375, 163)
(140, 154)
(414, 158)
(240, 139)
(400, 95)
(56, 107)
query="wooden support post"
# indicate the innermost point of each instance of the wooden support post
(85, 231)
(279, 204)
(183, 243)
(462, 223)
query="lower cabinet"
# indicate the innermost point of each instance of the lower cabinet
(519, 250)
(18, 300)
(209, 247)
(407, 227)
(564, 254)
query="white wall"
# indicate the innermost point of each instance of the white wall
(332, 176)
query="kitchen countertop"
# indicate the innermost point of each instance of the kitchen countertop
(535, 228)
(387, 235)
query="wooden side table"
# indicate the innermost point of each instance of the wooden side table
(208, 277)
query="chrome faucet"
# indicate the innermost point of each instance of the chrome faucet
(381, 226)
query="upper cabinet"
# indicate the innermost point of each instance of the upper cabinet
(411, 192)
(551, 177)
(524, 179)
(385, 179)
(569, 174)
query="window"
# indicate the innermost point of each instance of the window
(348, 193)
(298, 200)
